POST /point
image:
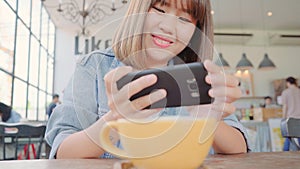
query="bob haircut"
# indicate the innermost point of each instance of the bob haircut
(127, 41)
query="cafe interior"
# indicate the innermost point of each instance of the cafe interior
(257, 41)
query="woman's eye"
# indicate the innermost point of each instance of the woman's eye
(158, 9)
(185, 19)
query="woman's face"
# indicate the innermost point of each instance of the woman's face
(167, 31)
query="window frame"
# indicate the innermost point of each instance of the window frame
(48, 57)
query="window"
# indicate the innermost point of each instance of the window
(22, 51)
(50, 76)
(42, 106)
(12, 3)
(5, 87)
(43, 70)
(36, 18)
(34, 62)
(49, 100)
(26, 57)
(44, 28)
(32, 103)
(24, 11)
(7, 36)
(19, 97)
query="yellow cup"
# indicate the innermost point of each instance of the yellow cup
(169, 142)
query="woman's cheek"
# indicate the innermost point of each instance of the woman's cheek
(185, 34)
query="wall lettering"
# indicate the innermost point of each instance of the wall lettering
(90, 45)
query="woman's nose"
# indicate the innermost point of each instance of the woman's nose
(168, 24)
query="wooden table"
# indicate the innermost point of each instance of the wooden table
(266, 160)
(275, 160)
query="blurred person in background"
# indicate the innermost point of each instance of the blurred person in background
(52, 105)
(291, 105)
(269, 103)
(8, 115)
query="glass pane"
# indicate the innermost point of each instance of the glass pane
(44, 35)
(32, 103)
(7, 36)
(22, 51)
(34, 62)
(19, 102)
(42, 106)
(35, 20)
(49, 100)
(12, 3)
(24, 11)
(50, 76)
(51, 38)
(5, 88)
(43, 69)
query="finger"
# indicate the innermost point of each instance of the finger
(138, 85)
(222, 79)
(111, 77)
(145, 101)
(225, 108)
(223, 93)
(211, 67)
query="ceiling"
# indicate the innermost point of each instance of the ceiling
(252, 14)
(228, 14)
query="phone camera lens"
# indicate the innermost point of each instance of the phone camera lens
(193, 86)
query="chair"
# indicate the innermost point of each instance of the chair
(290, 128)
(22, 135)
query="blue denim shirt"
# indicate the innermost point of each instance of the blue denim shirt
(14, 117)
(85, 100)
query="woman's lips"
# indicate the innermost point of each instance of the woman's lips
(161, 41)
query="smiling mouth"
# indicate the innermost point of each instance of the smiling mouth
(161, 41)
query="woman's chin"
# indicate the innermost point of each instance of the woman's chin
(158, 57)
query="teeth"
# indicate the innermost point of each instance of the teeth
(162, 41)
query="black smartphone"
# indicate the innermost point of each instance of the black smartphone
(185, 85)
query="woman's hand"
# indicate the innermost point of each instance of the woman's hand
(118, 100)
(224, 89)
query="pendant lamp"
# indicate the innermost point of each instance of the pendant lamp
(266, 63)
(244, 63)
(222, 62)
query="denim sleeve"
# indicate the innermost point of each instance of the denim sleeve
(14, 117)
(79, 107)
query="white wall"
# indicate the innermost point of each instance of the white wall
(286, 58)
(65, 60)
(65, 50)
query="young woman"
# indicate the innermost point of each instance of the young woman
(154, 33)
